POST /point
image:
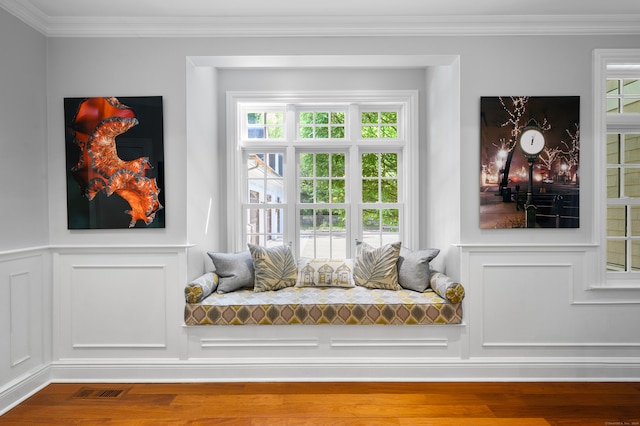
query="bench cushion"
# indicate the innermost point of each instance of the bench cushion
(295, 305)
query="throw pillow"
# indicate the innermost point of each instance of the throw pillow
(325, 273)
(377, 267)
(413, 268)
(275, 267)
(234, 269)
(197, 290)
(446, 287)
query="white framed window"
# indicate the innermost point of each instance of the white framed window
(617, 130)
(322, 170)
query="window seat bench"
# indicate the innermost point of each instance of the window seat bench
(441, 303)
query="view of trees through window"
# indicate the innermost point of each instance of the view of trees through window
(344, 188)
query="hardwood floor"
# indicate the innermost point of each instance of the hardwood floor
(602, 404)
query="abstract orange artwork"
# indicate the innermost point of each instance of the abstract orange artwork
(105, 157)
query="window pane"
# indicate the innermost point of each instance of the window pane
(616, 255)
(275, 118)
(337, 118)
(388, 132)
(337, 132)
(389, 191)
(631, 87)
(322, 191)
(370, 191)
(322, 165)
(613, 148)
(306, 118)
(369, 132)
(390, 220)
(255, 118)
(322, 118)
(613, 106)
(337, 191)
(613, 183)
(275, 132)
(632, 183)
(256, 190)
(306, 132)
(635, 255)
(631, 106)
(371, 220)
(635, 221)
(306, 191)
(339, 220)
(389, 117)
(389, 163)
(616, 221)
(322, 132)
(306, 165)
(613, 87)
(369, 165)
(337, 165)
(369, 118)
(306, 219)
(632, 148)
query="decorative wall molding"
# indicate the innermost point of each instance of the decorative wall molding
(322, 26)
(258, 343)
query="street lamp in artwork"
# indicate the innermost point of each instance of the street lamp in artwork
(531, 143)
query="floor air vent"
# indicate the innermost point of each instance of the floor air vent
(89, 393)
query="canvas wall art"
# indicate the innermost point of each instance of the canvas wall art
(530, 162)
(115, 162)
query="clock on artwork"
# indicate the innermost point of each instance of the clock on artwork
(531, 142)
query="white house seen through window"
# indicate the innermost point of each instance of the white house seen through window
(321, 175)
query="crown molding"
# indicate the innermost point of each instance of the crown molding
(323, 26)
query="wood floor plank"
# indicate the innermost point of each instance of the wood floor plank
(371, 404)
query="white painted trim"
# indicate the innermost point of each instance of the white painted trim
(408, 99)
(20, 389)
(349, 369)
(601, 59)
(321, 26)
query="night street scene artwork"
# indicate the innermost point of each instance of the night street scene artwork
(530, 162)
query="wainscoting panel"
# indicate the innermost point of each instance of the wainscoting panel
(522, 303)
(25, 309)
(253, 342)
(117, 304)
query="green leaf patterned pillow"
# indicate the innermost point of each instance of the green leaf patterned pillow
(377, 267)
(275, 267)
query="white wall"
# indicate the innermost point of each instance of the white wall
(23, 162)
(25, 272)
(576, 333)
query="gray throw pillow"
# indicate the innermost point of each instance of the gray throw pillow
(413, 268)
(234, 269)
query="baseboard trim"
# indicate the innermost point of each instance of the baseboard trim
(323, 370)
(16, 391)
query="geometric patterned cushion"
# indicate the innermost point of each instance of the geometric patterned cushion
(274, 267)
(198, 289)
(446, 287)
(377, 267)
(324, 305)
(325, 273)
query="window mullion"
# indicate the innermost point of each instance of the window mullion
(354, 195)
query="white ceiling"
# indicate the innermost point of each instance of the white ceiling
(325, 17)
